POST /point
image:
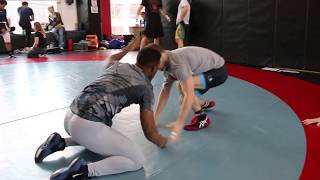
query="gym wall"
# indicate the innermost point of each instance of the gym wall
(90, 22)
(274, 33)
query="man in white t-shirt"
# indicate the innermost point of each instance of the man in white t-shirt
(182, 22)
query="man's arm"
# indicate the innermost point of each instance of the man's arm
(164, 14)
(187, 87)
(150, 130)
(184, 11)
(162, 100)
(139, 11)
(130, 47)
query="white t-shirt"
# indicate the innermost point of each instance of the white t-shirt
(185, 19)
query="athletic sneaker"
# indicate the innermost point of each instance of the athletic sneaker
(199, 121)
(53, 144)
(78, 169)
(11, 56)
(208, 105)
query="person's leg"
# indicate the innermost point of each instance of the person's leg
(144, 42)
(180, 43)
(186, 40)
(207, 80)
(101, 139)
(61, 37)
(28, 34)
(55, 142)
(55, 34)
(36, 52)
(200, 120)
(7, 42)
(179, 35)
(32, 54)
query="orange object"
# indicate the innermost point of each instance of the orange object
(94, 42)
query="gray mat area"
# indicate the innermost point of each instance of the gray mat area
(254, 134)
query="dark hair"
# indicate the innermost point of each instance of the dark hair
(24, 3)
(3, 2)
(149, 56)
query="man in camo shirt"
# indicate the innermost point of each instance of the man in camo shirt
(89, 119)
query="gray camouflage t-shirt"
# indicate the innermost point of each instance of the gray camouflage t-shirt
(120, 85)
(190, 60)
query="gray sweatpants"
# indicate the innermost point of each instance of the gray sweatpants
(121, 153)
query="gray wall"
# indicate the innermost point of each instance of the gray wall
(274, 33)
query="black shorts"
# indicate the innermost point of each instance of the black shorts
(153, 27)
(212, 78)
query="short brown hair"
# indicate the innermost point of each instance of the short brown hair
(3, 2)
(149, 56)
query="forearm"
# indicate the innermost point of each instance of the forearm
(139, 10)
(157, 139)
(150, 129)
(131, 46)
(185, 107)
(118, 56)
(162, 101)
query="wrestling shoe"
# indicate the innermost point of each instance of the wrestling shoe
(11, 56)
(208, 105)
(199, 121)
(78, 169)
(53, 144)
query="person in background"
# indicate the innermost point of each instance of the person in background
(153, 25)
(40, 42)
(182, 22)
(56, 26)
(26, 16)
(5, 28)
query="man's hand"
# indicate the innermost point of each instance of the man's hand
(312, 121)
(176, 128)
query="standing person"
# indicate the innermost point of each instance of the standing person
(26, 16)
(5, 28)
(89, 119)
(182, 22)
(56, 26)
(153, 25)
(40, 42)
(197, 70)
